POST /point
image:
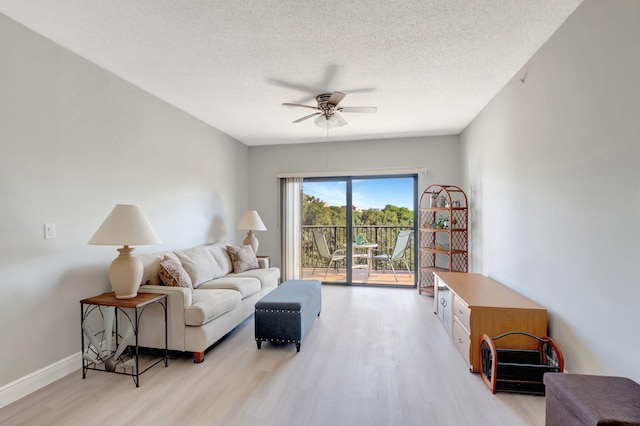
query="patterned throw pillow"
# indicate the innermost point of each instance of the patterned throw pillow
(172, 274)
(243, 258)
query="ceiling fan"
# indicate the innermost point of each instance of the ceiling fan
(327, 109)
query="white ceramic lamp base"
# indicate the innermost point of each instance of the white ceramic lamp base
(252, 241)
(125, 274)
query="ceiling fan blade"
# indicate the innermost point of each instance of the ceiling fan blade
(335, 98)
(306, 116)
(294, 86)
(358, 109)
(361, 90)
(300, 105)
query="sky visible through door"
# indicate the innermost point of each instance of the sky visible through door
(367, 193)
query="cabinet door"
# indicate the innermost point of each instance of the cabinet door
(444, 307)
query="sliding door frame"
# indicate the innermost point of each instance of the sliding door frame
(349, 222)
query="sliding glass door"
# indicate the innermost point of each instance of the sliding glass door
(359, 230)
(324, 230)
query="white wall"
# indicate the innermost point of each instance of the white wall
(553, 173)
(74, 141)
(439, 154)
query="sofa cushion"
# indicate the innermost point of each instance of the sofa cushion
(267, 276)
(199, 264)
(172, 273)
(243, 258)
(245, 285)
(219, 252)
(151, 263)
(209, 304)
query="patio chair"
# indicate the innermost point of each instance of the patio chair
(398, 253)
(325, 253)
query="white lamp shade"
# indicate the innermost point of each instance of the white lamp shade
(251, 221)
(126, 225)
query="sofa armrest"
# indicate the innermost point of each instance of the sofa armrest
(178, 296)
(152, 322)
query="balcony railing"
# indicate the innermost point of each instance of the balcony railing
(384, 236)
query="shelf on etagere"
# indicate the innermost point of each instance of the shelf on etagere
(438, 204)
(443, 230)
(434, 269)
(433, 250)
(441, 209)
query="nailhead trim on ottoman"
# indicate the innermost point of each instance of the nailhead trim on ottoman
(286, 314)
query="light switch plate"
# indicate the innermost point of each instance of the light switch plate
(49, 231)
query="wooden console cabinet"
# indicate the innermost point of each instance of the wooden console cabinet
(470, 305)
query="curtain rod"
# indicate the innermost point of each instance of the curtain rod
(372, 172)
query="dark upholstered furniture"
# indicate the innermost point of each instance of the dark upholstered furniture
(577, 399)
(286, 314)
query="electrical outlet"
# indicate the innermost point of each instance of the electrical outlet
(49, 231)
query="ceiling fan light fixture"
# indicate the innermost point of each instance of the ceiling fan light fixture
(321, 121)
(337, 120)
(330, 122)
(326, 117)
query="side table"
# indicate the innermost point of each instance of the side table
(266, 259)
(109, 349)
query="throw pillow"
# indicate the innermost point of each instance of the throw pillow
(172, 274)
(199, 264)
(243, 258)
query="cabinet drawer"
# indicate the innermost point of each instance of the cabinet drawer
(462, 340)
(462, 312)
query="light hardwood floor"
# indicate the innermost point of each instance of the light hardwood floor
(375, 356)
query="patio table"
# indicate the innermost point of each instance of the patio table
(369, 248)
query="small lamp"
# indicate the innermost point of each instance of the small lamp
(126, 225)
(251, 221)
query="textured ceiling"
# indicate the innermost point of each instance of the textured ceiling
(430, 66)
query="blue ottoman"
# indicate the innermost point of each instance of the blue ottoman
(286, 314)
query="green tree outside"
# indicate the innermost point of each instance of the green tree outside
(317, 212)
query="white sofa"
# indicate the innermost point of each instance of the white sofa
(200, 316)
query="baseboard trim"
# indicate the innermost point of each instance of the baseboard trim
(22, 387)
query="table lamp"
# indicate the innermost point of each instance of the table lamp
(251, 221)
(126, 225)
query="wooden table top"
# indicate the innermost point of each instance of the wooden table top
(109, 299)
(479, 291)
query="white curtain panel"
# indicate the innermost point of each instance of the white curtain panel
(291, 218)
